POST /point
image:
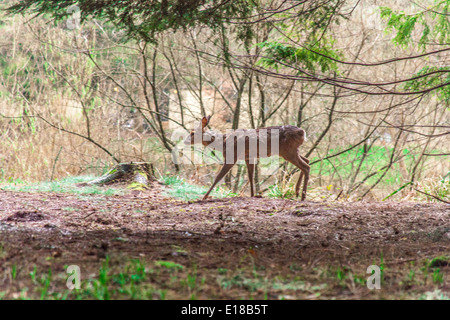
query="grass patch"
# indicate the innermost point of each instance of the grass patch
(377, 157)
(66, 185)
(179, 188)
(130, 278)
(434, 295)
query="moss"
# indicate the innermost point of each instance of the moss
(441, 261)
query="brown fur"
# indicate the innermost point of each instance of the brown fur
(290, 139)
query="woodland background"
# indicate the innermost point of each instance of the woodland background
(76, 99)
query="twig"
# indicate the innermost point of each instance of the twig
(243, 189)
(90, 214)
(430, 195)
(54, 163)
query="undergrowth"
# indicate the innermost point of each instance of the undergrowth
(164, 279)
(181, 189)
(66, 185)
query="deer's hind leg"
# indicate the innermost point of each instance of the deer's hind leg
(250, 171)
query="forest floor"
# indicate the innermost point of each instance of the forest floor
(143, 245)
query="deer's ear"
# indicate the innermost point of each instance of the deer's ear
(205, 121)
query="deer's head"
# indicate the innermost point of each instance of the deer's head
(200, 135)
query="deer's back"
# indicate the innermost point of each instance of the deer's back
(265, 142)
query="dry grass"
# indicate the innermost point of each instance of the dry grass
(42, 73)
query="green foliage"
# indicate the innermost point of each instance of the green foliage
(431, 77)
(279, 191)
(144, 19)
(275, 191)
(438, 277)
(435, 29)
(310, 58)
(314, 52)
(433, 20)
(402, 23)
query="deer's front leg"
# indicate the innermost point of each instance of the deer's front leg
(297, 187)
(220, 175)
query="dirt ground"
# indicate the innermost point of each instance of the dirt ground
(238, 247)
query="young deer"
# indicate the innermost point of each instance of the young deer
(251, 144)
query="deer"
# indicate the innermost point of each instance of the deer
(251, 144)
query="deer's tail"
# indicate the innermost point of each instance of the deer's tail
(302, 133)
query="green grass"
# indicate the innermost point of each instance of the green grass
(133, 280)
(342, 167)
(130, 278)
(376, 158)
(66, 185)
(257, 282)
(434, 295)
(157, 280)
(277, 191)
(179, 188)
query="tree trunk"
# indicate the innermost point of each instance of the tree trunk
(137, 175)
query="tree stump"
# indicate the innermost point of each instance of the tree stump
(138, 176)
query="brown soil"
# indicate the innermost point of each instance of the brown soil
(280, 239)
